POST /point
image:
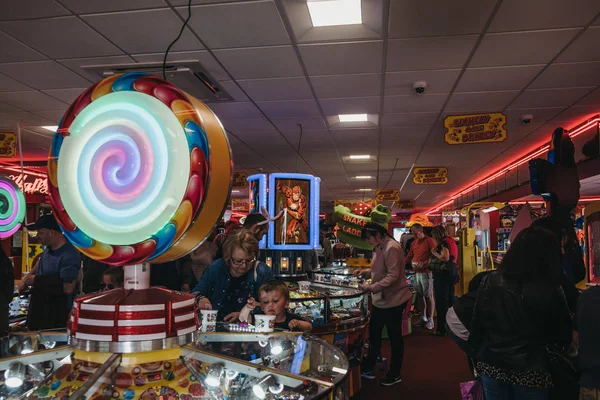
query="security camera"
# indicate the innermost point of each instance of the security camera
(526, 119)
(420, 87)
(260, 169)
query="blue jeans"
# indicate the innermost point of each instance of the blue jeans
(497, 390)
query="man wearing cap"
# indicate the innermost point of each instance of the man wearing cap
(54, 279)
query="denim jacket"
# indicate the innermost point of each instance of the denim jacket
(215, 281)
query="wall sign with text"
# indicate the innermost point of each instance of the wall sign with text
(430, 176)
(475, 128)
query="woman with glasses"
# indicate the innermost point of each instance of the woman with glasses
(228, 283)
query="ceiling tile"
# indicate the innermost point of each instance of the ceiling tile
(332, 86)
(230, 25)
(497, 78)
(52, 115)
(440, 81)
(412, 119)
(521, 48)
(194, 2)
(98, 6)
(234, 90)
(10, 85)
(592, 99)
(569, 75)
(30, 9)
(66, 95)
(32, 101)
(342, 58)
(76, 64)
(247, 125)
(277, 89)
(136, 31)
(64, 37)
(442, 17)
(292, 108)
(235, 110)
(44, 75)
(356, 105)
(390, 147)
(550, 97)
(584, 48)
(356, 136)
(8, 108)
(406, 133)
(260, 62)
(13, 51)
(480, 101)
(543, 114)
(516, 15)
(287, 124)
(204, 57)
(414, 103)
(429, 53)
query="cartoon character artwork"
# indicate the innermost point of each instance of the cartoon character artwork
(295, 220)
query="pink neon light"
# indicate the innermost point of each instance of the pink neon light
(594, 121)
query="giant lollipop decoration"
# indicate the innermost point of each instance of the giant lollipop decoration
(129, 171)
(12, 207)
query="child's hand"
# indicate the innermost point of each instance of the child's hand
(293, 324)
(252, 303)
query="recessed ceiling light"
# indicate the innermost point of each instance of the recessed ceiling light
(360, 157)
(363, 177)
(353, 117)
(364, 190)
(51, 128)
(334, 12)
(235, 191)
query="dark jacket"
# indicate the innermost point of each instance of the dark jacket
(513, 322)
(214, 284)
(7, 288)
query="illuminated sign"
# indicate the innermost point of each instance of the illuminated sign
(240, 205)
(240, 180)
(7, 145)
(430, 176)
(387, 195)
(475, 128)
(352, 203)
(31, 185)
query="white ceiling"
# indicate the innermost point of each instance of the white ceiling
(539, 57)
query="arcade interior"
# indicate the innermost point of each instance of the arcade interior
(145, 133)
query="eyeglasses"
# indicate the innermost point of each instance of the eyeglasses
(241, 262)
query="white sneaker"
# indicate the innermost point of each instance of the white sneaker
(429, 324)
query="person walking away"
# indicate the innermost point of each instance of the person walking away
(443, 267)
(390, 293)
(419, 255)
(54, 279)
(7, 289)
(586, 335)
(520, 311)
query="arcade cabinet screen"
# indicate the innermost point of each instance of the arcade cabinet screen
(293, 195)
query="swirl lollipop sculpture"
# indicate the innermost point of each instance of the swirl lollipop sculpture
(12, 207)
(129, 171)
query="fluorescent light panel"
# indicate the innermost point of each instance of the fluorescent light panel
(334, 12)
(51, 128)
(364, 190)
(360, 157)
(363, 177)
(353, 117)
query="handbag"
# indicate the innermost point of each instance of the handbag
(472, 390)
(565, 375)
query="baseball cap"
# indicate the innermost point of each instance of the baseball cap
(45, 221)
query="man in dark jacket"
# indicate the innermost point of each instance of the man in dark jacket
(7, 282)
(54, 279)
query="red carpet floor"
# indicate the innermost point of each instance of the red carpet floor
(432, 369)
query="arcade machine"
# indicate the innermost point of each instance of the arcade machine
(592, 241)
(129, 182)
(339, 314)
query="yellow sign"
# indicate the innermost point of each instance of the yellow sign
(475, 128)
(387, 195)
(430, 176)
(240, 180)
(352, 203)
(240, 205)
(405, 204)
(7, 145)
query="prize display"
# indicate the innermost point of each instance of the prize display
(351, 222)
(12, 207)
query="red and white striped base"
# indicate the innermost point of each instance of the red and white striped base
(125, 315)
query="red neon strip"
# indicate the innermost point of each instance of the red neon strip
(572, 133)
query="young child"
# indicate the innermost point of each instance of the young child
(113, 278)
(274, 299)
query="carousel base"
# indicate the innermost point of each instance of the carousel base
(131, 347)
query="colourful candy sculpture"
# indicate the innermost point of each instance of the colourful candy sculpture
(12, 207)
(128, 171)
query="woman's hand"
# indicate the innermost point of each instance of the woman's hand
(366, 287)
(233, 317)
(204, 304)
(362, 273)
